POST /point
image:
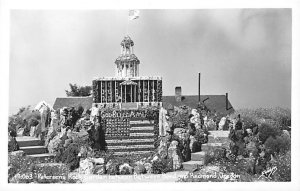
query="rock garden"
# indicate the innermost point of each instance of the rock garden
(249, 145)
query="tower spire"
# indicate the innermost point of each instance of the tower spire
(127, 64)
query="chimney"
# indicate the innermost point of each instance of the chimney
(226, 101)
(178, 94)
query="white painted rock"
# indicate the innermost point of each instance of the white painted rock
(126, 169)
(86, 166)
(148, 167)
(19, 153)
(99, 169)
(222, 123)
(53, 144)
(192, 141)
(98, 160)
(173, 153)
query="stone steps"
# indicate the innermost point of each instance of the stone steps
(43, 157)
(131, 148)
(216, 139)
(212, 139)
(219, 134)
(198, 156)
(28, 141)
(128, 152)
(219, 137)
(192, 165)
(33, 147)
(210, 146)
(31, 150)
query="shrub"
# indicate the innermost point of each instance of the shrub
(19, 164)
(162, 166)
(12, 144)
(280, 116)
(70, 156)
(23, 169)
(200, 137)
(283, 164)
(266, 130)
(140, 169)
(248, 122)
(180, 117)
(278, 144)
(112, 167)
(25, 118)
(33, 115)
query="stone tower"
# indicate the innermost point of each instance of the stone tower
(127, 64)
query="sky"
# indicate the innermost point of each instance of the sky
(245, 52)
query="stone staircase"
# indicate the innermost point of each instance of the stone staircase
(33, 147)
(140, 139)
(216, 139)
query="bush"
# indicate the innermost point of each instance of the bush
(112, 167)
(25, 118)
(200, 137)
(283, 164)
(23, 169)
(266, 130)
(140, 169)
(70, 156)
(162, 166)
(280, 116)
(180, 117)
(19, 164)
(278, 144)
(12, 144)
(248, 122)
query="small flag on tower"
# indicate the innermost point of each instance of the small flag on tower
(134, 14)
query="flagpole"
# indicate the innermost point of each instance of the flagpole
(127, 26)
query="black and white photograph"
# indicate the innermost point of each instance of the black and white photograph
(150, 95)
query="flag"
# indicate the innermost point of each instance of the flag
(134, 14)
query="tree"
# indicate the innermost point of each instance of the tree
(78, 91)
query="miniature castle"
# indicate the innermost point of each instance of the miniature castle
(127, 90)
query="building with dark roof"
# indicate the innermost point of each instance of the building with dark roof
(85, 102)
(215, 103)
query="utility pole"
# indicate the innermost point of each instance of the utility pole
(199, 87)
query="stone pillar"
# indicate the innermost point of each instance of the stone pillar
(148, 91)
(121, 93)
(123, 70)
(105, 91)
(131, 95)
(125, 93)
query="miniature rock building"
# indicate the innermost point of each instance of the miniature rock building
(123, 102)
(127, 89)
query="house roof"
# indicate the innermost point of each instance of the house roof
(215, 103)
(85, 102)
